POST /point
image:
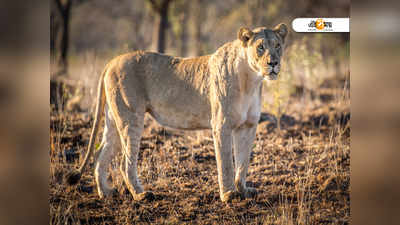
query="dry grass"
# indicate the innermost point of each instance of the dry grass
(301, 168)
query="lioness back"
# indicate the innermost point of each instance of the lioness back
(175, 89)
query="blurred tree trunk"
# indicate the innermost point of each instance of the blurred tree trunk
(161, 25)
(196, 27)
(54, 31)
(183, 34)
(60, 34)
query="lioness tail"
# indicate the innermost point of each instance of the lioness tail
(74, 176)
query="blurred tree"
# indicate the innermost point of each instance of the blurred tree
(183, 34)
(60, 17)
(161, 25)
(59, 29)
(197, 19)
(179, 16)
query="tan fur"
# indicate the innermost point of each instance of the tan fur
(221, 92)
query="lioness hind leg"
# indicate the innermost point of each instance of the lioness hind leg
(126, 101)
(131, 136)
(109, 144)
(130, 127)
(243, 139)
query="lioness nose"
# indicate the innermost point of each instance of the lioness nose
(273, 63)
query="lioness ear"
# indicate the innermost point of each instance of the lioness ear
(282, 30)
(244, 34)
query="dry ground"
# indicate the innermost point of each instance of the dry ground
(302, 170)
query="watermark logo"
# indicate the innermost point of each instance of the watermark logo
(321, 24)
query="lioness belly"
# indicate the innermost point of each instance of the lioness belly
(179, 118)
(180, 109)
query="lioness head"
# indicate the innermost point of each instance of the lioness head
(264, 49)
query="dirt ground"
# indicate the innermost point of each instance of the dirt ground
(301, 170)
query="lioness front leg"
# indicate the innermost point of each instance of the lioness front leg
(223, 152)
(243, 138)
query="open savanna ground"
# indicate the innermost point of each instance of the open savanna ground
(300, 165)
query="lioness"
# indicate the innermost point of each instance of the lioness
(221, 91)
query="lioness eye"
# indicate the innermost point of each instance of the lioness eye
(261, 47)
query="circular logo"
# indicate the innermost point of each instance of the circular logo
(319, 24)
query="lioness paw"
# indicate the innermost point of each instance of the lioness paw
(229, 196)
(108, 193)
(147, 196)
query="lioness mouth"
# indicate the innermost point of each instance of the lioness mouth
(271, 76)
